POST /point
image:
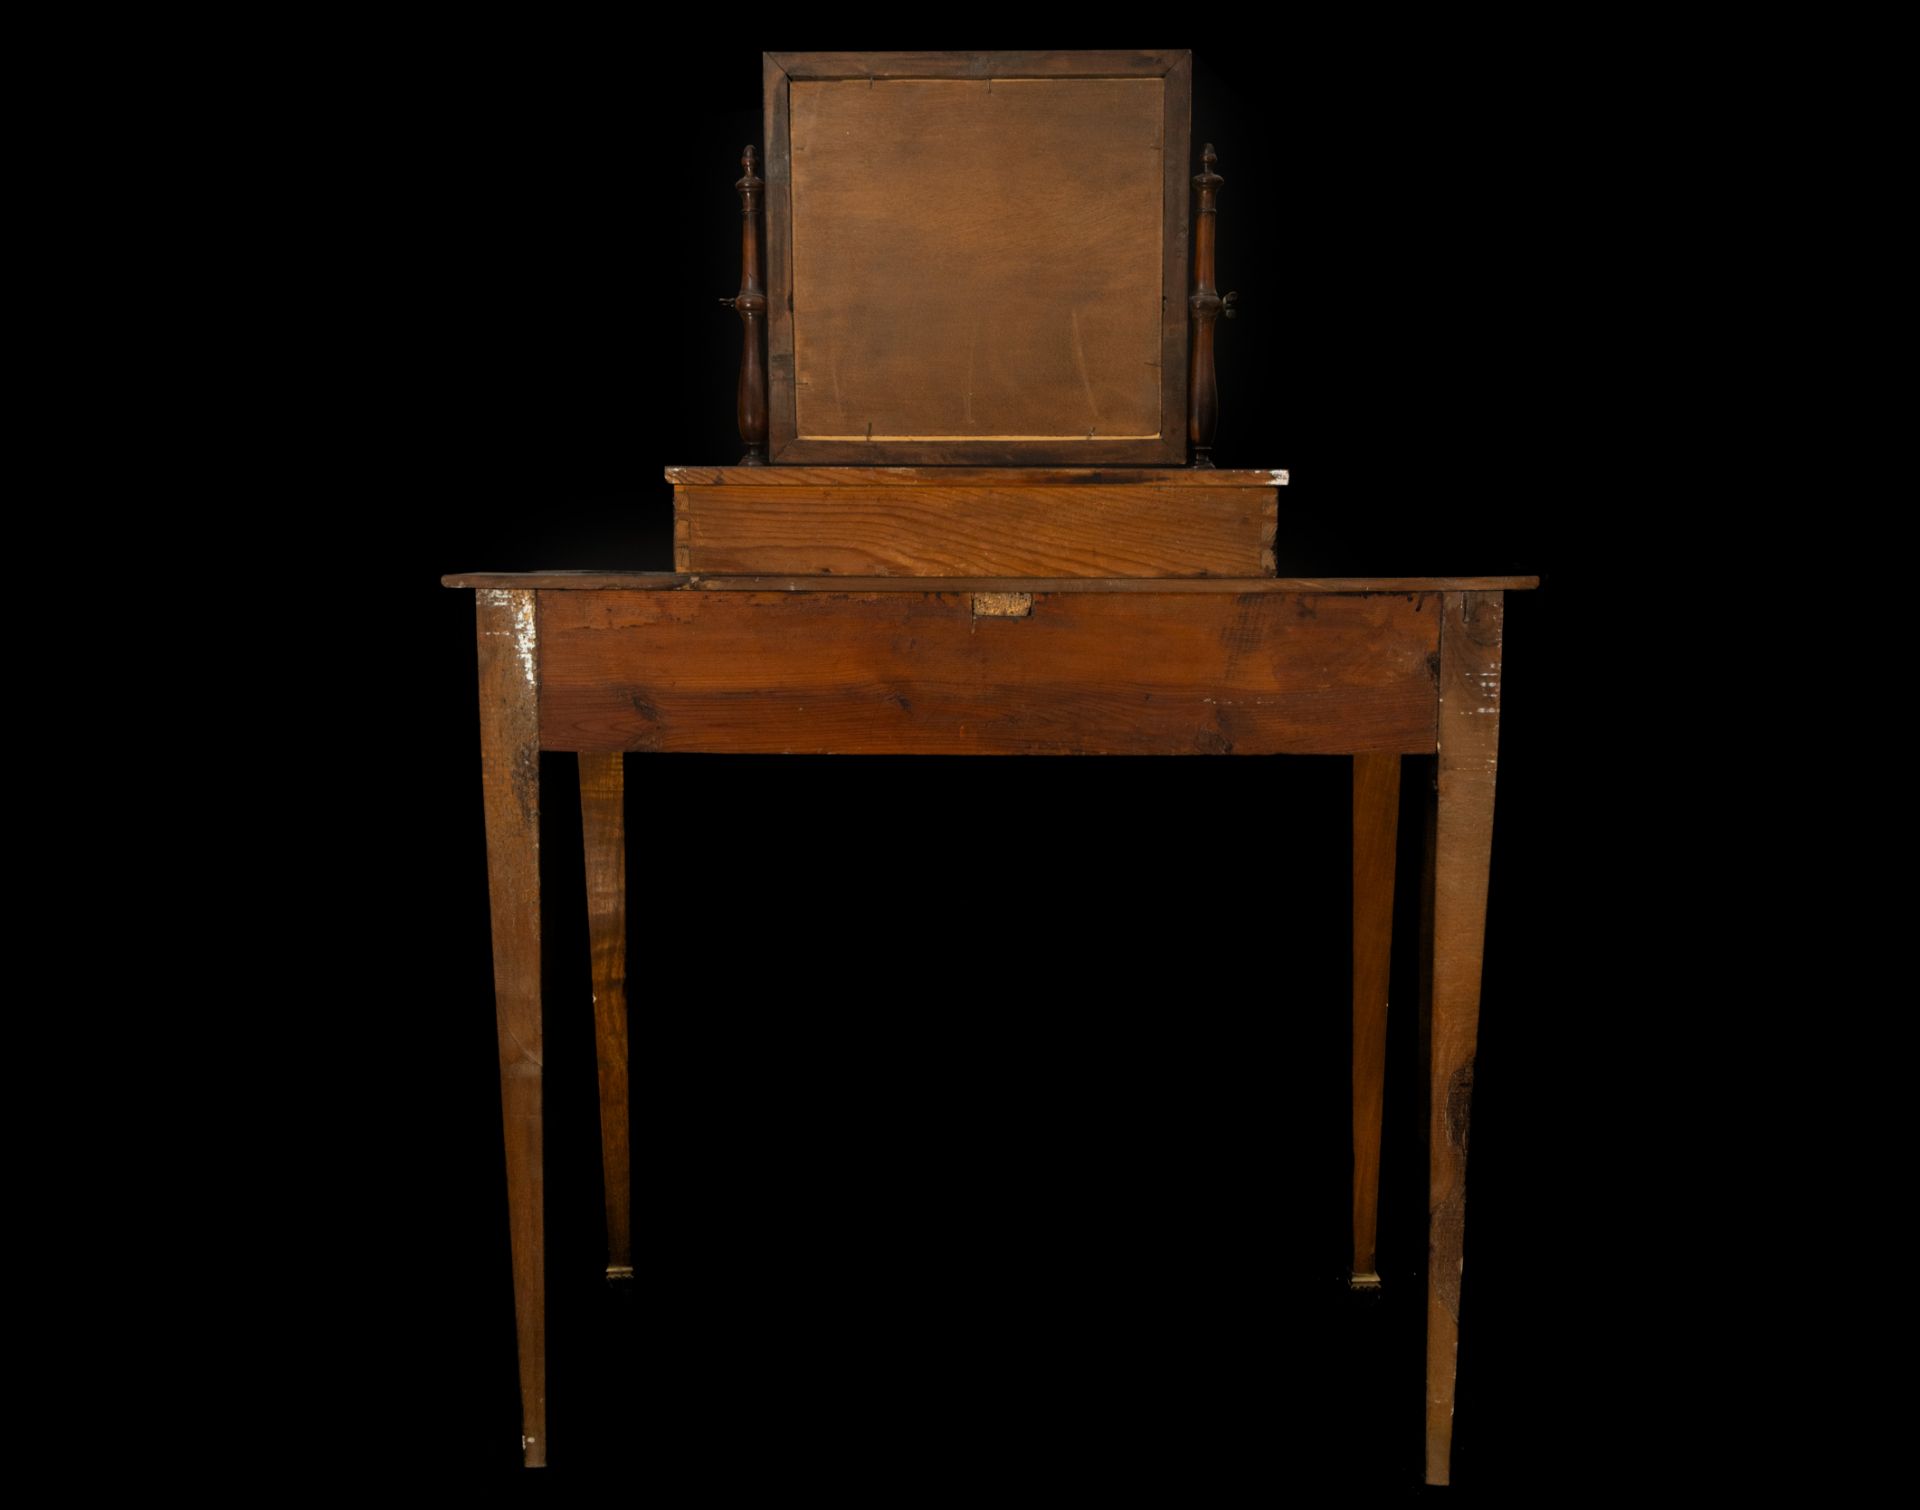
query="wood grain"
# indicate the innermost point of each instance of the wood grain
(1017, 476)
(510, 783)
(920, 673)
(779, 226)
(976, 260)
(978, 257)
(687, 582)
(1429, 843)
(1468, 742)
(1175, 203)
(971, 530)
(604, 829)
(976, 65)
(1376, 817)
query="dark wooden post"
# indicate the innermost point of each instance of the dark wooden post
(751, 302)
(1376, 818)
(1468, 752)
(604, 831)
(1203, 397)
(509, 657)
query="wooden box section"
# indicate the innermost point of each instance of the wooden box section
(923, 672)
(964, 522)
(978, 257)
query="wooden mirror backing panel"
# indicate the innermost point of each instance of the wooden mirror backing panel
(940, 209)
(978, 258)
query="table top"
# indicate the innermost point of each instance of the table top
(670, 581)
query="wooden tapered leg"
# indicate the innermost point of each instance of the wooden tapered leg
(510, 771)
(1430, 808)
(1376, 815)
(1469, 735)
(603, 818)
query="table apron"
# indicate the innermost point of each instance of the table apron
(904, 672)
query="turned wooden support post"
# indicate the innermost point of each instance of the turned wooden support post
(1203, 396)
(751, 302)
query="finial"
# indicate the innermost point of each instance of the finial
(749, 182)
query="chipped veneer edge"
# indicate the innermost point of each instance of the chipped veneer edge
(526, 643)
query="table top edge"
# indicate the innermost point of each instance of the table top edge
(644, 581)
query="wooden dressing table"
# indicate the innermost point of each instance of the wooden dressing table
(945, 554)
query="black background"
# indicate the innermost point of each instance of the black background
(989, 1116)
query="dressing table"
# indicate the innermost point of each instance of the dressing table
(976, 513)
